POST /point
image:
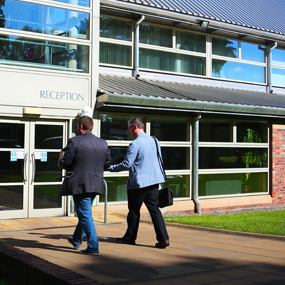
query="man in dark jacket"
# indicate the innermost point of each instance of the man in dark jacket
(85, 159)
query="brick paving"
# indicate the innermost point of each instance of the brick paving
(38, 251)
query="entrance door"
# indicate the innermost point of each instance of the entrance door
(29, 153)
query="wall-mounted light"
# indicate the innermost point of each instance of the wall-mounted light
(204, 24)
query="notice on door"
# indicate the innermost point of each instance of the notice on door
(15, 155)
(42, 156)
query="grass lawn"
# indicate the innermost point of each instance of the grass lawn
(270, 222)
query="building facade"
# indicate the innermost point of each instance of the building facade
(209, 82)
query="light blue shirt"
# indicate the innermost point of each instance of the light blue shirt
(142, 162)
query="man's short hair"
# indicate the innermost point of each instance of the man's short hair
(86, 122)
(136, 122)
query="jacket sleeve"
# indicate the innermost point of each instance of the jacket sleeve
(128, 161)
(68, 156)
(107, 162)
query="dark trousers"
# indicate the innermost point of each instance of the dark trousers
(147, 195)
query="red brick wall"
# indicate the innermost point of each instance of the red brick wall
(278, 165)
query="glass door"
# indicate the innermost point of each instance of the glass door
(29, 153)
(44, 183)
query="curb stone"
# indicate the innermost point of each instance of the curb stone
(30, 269)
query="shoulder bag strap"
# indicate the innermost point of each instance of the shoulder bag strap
(160, 160)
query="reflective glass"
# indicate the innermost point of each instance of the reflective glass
(11, 198)
(43, 54)
(42, 19)
(278, 57)
(230, 157)
(232, 183)
(115, 127)
(180, 185)
(238, 71)
(176, 158)
(85, 3)
(252, 52)
(115, 54)
(12, 135)
(251, 132)
(115, 29)
(118, 154)
(46, 196)
(190, 41)
(225, 47)
(155, 35)
(117, 189)
(48, 137)
(168, 61)
(278, 77)
(47, 171)
(10, 171)
(170, 128)
(211, 130)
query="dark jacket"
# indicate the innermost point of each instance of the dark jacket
(85, 159)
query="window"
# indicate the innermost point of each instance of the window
(84, 3)
(43, 54)
(155, 35)
(42, 19)
(233, 157)
(278, 67)
(236, 60)
(115, 41)
(174, 136)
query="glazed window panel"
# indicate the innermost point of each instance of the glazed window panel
(155, 35)
(251, 132)
(42, 19)
(278, 77)
(12, 135)
(170, 129)
(11, 198)
(168, 61)
(115, 54)
(232, 183)
(115, 29)
(190, 41)
(220, 157)
(10, 171)
(225, 47)
(215, 131)
(43, 54)
(175, 157)
(117, 189)
(238, 71)
(278, 57)
(252, 52)
(115, 127)
(180, 185)
(46, 196)
(118, 154)
(84, 3)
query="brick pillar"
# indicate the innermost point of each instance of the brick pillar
(278, 165)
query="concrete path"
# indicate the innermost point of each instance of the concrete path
(194, 256)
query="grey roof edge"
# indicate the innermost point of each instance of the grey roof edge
(118, 99)
(187, 17)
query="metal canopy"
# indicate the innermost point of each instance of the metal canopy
(143, 93)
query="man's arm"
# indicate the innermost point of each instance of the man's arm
(128, 161)
(107, 162)
(67, 158)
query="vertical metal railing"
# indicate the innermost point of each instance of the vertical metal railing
(106, 201)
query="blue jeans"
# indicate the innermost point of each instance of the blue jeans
(83, 203)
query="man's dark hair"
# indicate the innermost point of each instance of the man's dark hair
(86, 122)
(136, 122)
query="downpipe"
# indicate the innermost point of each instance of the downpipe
(137, 46)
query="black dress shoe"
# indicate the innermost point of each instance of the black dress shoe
(124, 240)
(162, 244)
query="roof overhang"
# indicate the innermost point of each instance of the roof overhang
(131, 93)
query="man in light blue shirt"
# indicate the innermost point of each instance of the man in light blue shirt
(145, 174)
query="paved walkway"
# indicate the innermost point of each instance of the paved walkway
(194, 256)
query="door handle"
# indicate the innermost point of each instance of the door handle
(25, 168)
(33, 168)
